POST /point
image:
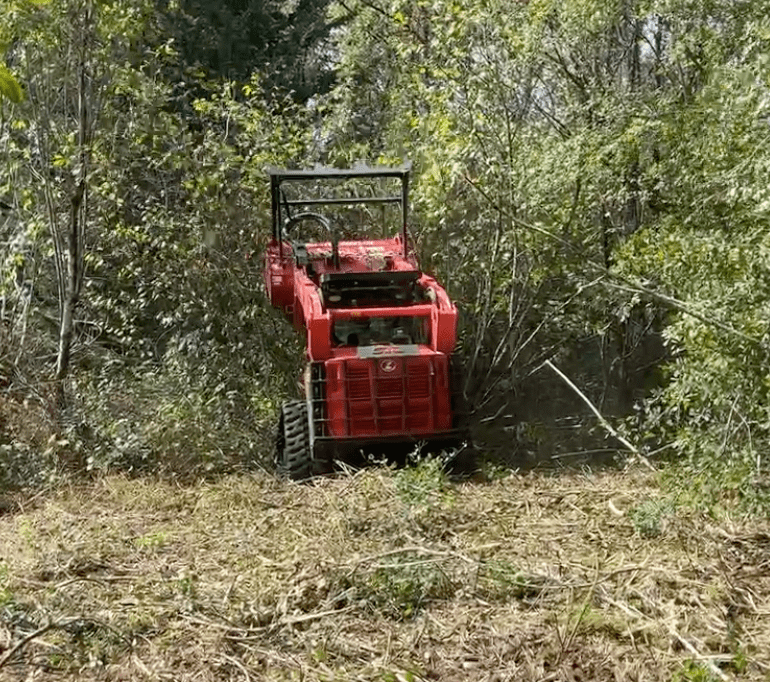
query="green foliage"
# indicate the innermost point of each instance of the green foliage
(649, 517)
(180, 360)
(709, 248)
(692, 671)
(422, 484)
(587, 171)
(502, 580)
(28, 460)
(285, 42)
(740, 662)
(9, 86)
(403, 586)
(152, 540)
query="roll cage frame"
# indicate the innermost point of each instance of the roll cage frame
(282, 206)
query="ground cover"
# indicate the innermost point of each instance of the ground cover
(381, 575)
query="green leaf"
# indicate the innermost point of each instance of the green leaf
(9, 86)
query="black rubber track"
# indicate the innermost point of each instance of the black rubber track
(293, 456)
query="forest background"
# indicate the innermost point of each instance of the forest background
(590, 184)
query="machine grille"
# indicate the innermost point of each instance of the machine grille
(390, 395)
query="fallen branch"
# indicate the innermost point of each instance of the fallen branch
(34, 635)
(413, 550)
(235, 662)
(713, 669)
(607, 426)
(244, 633)
(706, 660)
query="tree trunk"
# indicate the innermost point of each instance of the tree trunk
(70, 292)
(72, 289)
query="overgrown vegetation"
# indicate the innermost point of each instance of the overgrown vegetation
(590, 184)
(591, 187)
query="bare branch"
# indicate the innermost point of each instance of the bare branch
(607, 426)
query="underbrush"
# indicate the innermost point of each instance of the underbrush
(157, 421)
(720, 485)
(29, 443)
(169, 423)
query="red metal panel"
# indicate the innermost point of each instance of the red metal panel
(388, 396)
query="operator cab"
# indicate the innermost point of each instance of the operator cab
(379, 330)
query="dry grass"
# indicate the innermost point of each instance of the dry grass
(381, 576)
